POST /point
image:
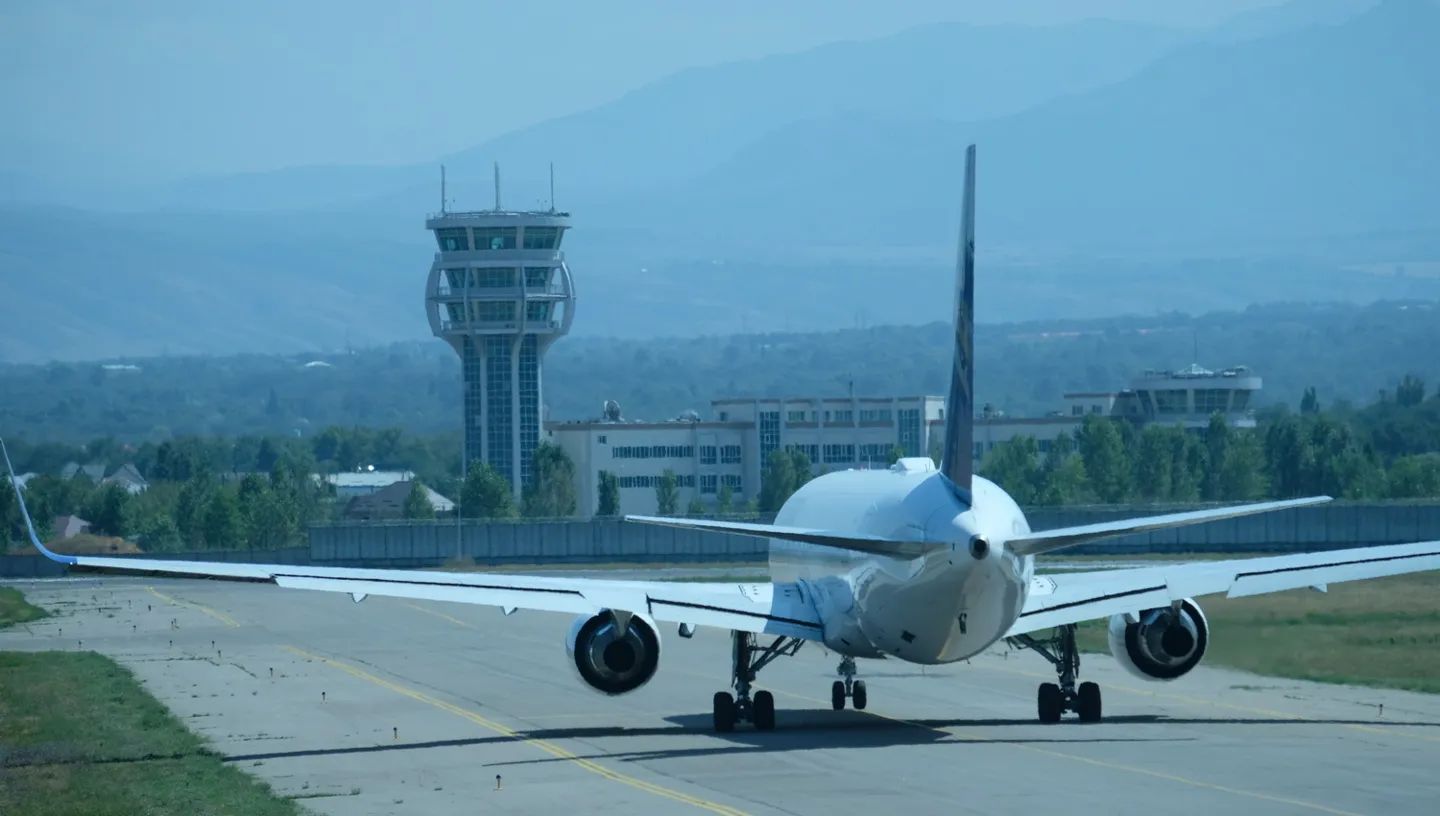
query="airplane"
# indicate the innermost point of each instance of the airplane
(917, 563)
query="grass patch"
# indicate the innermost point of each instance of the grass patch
(78, 735)
(15, 609)
(1383, 633)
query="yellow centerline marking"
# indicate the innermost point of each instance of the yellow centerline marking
(214, 613)
(544, 745)
(442, 616)
(1393, 730)
(1116, 766)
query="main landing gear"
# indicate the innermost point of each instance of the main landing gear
(747, 660)
(1054, 699)
(849, 687)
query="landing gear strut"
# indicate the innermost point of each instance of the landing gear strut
(747, 659)
(1054, 699)
(847, 688)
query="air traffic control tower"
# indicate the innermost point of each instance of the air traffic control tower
(500, 294)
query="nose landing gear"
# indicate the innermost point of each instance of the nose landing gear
(848, 688)
(1054, 699)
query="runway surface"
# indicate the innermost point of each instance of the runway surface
(393, 707)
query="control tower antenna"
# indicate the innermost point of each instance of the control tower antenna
(497, 186)
(552, 186)
(442, 189)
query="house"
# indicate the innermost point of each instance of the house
(365, 482)
(64, 527)
(128, 477)
(74, 470)
(389, 503)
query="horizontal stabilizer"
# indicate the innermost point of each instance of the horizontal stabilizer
(1050, 540)
(858, 542)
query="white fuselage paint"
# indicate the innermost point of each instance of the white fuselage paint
(941, 607)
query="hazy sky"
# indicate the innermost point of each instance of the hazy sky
(166, 89)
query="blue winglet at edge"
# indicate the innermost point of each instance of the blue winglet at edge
(25, 512)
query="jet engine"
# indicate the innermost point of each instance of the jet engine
(1160, 644)
(615, 652)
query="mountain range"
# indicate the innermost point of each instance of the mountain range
(1124, 169)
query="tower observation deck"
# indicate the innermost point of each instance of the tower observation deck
(500, 293)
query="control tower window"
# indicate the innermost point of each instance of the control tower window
(1211, 400)
(542, 237)
(1242, 401)
(495, 277)
(456, 279)
(537, 311)
(1171, 401)
(537, 277)
(494, 238)
(452, 239)
(494, 310)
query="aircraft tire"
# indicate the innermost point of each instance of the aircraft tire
(858, 698)
(837, 695)
(724, 712)
(1049, 702)
(763, 712)
(1087, 702)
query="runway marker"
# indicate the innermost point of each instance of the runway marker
(544, 745)
(497, 781)
(220, 616)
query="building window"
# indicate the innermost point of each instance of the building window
(795, 416)
(875, 415)
(1077, 410)
(537, 277)
(542, 237)
(494, 277)
(979, 451)
(503, 310)
(1096, 409)
(812, 452)
(877, 452)
(537, 311)
(733, 482)
(1045, 445)
(769, 433)
(601, 439)
(846, 416)
(730, 454)
(839, 454)
(707, 454)
(452, 239)
(724, 416)
(708, 483)
(1172, 401)
(909, 432)
(494, 238)
(1211, 400)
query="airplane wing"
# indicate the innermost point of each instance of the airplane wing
(859, 542)
(762, 608)
(1051, 540)
(1056, 600)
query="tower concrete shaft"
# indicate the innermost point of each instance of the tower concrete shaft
(500, 293)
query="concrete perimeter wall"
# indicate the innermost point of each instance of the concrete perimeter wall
(599, 541)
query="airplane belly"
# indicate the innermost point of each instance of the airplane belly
(945, 612)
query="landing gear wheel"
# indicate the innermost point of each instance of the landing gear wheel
(837, 695)
(1087, 702)
(1050, 702)
(724, 711)
(857, 695)
(763, 711)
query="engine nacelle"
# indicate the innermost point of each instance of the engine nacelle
(608, 660)
(1160, 644)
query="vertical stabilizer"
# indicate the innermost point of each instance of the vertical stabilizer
(957, 463)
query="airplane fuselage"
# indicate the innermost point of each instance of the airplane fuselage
(941, 607)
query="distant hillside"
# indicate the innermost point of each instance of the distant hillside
(1345, 352)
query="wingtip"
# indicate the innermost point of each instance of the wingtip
(25, 513)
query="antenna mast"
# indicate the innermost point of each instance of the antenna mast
(552, 186)
(497, 186)
(442, 189)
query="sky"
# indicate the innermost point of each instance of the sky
(156, 91)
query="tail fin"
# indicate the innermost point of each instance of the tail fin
(957, 465)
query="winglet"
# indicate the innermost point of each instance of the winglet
(25, 512)
(957, 463)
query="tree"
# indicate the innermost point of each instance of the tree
(224, 526)
(1062, 474)
(1103, 452)
(801, 464)
(1310, 403)
(1414, 477)
(269, 515)
(777, 483)
(1154, 464)
(1217, 446)
(667, 493)
(725, 499)
(695, 507)
(1242, 473)
(551, 493)
(10, 518)
(190, 510)
(1411, 391)
(486, 493)
(106, 510)
(417, 503)
(609, 494)
(1014, 465)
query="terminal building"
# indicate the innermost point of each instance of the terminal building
(838, 433)
(500, 294)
